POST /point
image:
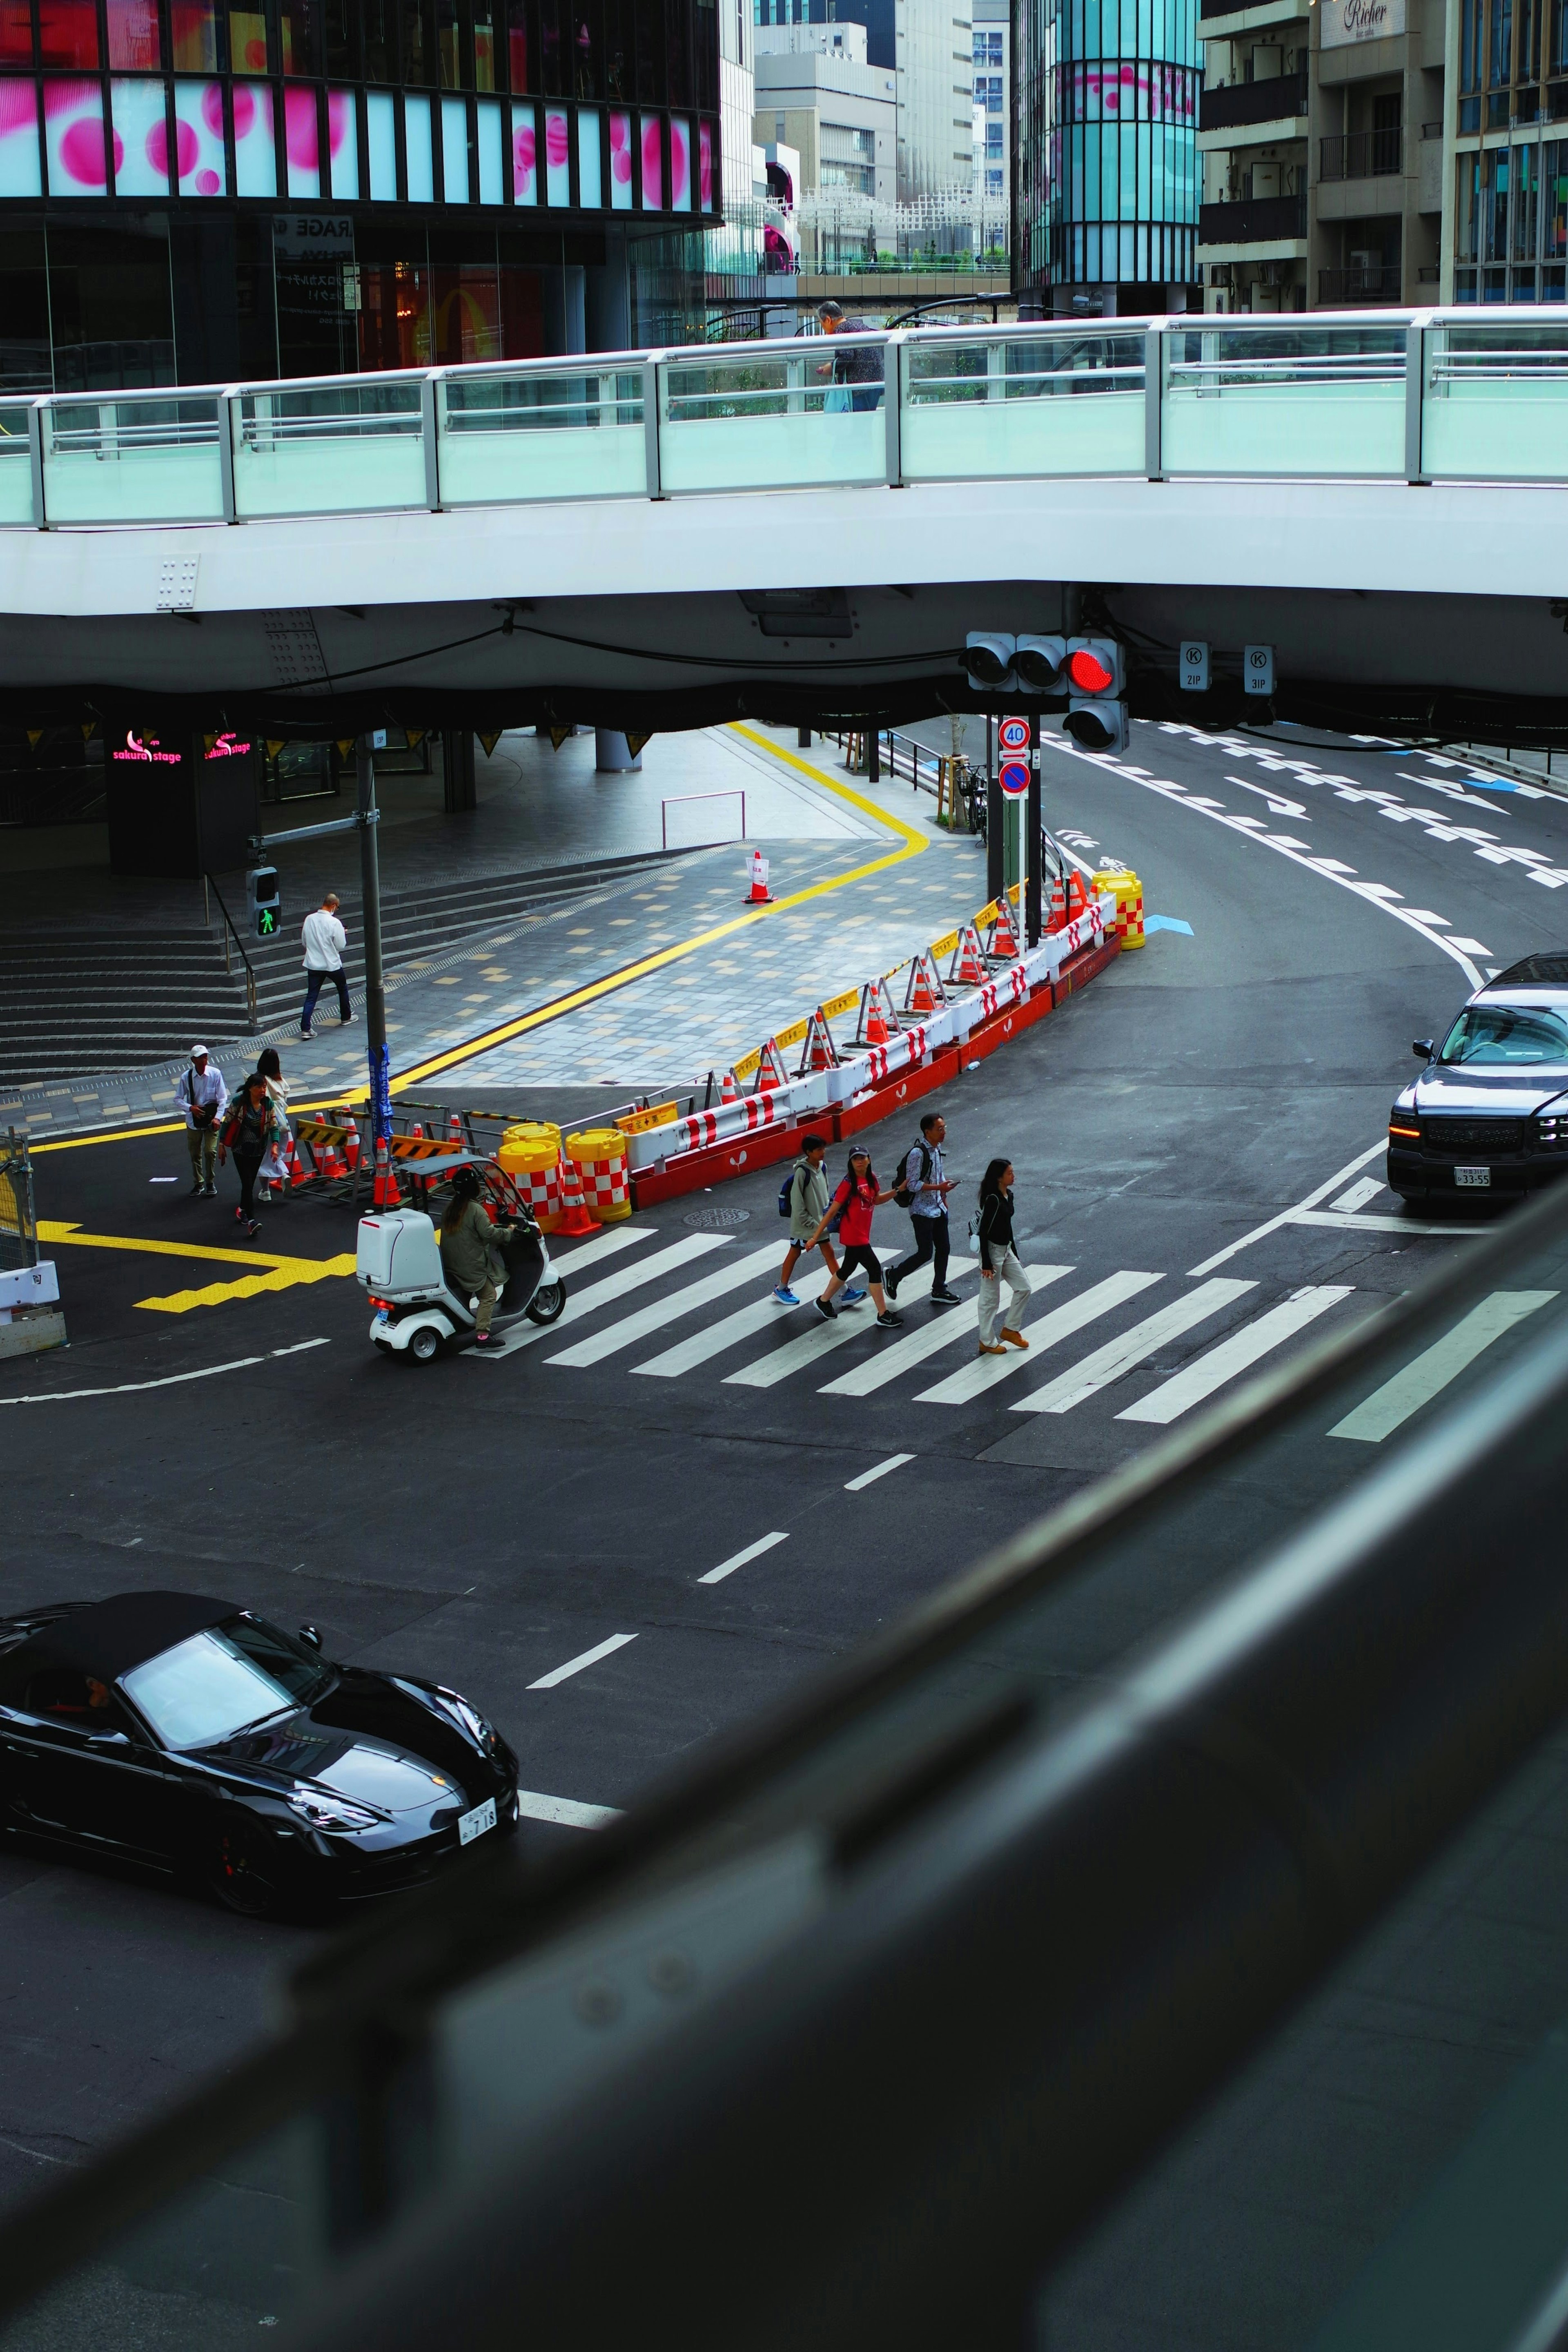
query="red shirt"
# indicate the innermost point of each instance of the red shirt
(855, 1226)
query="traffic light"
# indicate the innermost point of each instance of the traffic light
(1096, 712)
(988, 659)
(265, 906)
(1039, 664)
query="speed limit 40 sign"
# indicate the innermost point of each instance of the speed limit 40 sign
(1013, 735)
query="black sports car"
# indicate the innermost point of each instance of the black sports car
(1489, 1114)
(187, 1733)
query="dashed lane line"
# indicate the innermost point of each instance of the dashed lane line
(878, 1470)
(585, 1658)
(1427, 1374)
(170, 1380)
(739, 1559)
(565, 1811)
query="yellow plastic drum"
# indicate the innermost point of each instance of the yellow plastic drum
(1129, 896)
(531, 1156)
(598, 1155)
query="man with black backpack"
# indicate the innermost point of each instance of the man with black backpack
(803, 1199)
(923, 1189)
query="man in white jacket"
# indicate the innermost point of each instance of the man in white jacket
(325, 939)
(202, 1096)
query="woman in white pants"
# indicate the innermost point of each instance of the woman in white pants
(997, 1262)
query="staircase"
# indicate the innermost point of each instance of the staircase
(78, 1003)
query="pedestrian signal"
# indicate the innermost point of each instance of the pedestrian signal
(265, 906)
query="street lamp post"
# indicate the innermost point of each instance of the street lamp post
(367, 817)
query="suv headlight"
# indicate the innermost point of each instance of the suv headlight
(325, 1812)
(1551, 1130)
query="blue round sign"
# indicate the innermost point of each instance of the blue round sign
(1013, 778)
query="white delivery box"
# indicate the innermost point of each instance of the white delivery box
(398, 1255)
(29, 1286)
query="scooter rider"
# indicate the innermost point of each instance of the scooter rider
(470, 1251)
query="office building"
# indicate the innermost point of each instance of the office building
(192, 191)
(817, 94)
(1508, 141)
(993, 101)
(1105, 173)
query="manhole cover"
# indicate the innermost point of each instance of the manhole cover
(715, 1220)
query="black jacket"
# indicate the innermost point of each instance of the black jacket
(996, 1225)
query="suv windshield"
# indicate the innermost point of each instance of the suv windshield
(1504, 1033)
(232, 1675)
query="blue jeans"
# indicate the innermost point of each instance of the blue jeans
(314, 983)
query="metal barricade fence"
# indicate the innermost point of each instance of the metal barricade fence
(18, 1223)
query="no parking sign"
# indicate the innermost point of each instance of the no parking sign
(1014, 777)
(1012, 737)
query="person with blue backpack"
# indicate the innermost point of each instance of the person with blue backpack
(803, 1199)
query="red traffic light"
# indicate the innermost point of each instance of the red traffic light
(1088, 673)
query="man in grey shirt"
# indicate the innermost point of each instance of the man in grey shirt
(922, 1178)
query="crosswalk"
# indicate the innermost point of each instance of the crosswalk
(1211, 1333)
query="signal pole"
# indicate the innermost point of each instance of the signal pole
(1032, 932)
(366, 817)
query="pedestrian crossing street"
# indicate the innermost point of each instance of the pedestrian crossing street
(935, 1360)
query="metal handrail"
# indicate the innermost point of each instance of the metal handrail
(229, 932)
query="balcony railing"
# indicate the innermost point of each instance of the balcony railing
(1361, 154)
(1253, 220)
(1279, 99)
(1450, 396)
(1377, 283)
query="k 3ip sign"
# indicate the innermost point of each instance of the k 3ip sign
(1012, 734)
(1013, 777)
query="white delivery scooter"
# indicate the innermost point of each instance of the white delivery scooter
(399, 1263)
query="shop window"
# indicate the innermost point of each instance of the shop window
(256, 146)
(21, 174)
(299, 22)
(517, 46)
(193, 36)
(16, 32)
(110, 308)
(67, 32)
(25, 307)
(247, 41)
(522, 310)
(133, 43)
(466, 314)
(394, 315)
(484, 59)
(418, 44)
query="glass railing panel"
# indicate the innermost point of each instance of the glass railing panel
(541, 437)
(122, 459)
(1071, 403)
(16, 469)
(1495, 401)
(766, 422)
(336, 448)
(1326, 401)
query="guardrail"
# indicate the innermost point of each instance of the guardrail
(687, 800)
(1416, 395)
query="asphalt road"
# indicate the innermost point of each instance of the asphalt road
(491, 1521)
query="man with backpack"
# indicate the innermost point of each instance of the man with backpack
(803, 1199)
(923, 1189)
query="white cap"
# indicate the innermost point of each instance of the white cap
(200, 1053)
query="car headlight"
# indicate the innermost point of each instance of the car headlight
(1402, 1127)
(480, 1732)
(325, 1812)
(1551, 1130)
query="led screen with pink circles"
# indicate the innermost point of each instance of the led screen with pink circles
(74, 138)
(619, 162)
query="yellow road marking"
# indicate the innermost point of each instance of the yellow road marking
(249, 1286)
(120, 1135)
(280, 1272)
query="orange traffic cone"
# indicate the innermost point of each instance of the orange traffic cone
(820, 1053)
(297, 1175)
(875, 1026)
(454, 1131)
(1057, 919)
(575, 1217)
(971, 972)
(418, 1130)
(758, 897)
(384, 1190)
(351, 1147)
(1077, 896)
(920, 999)
(328, 1160)
(730, 1091)
(1004, 939)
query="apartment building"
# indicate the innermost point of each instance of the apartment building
(817, 93)
(993, 96)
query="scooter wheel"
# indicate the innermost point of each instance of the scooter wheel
(422, 1346)
(547, 1302)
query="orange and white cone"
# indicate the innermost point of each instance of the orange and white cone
(297, 1175)
(455, 1132)
(385, 1193)
(730, 1091)
(759, 895)
(1004, 937)
(352, 1149)
(922, 1000)
(969, 972)
(576, 1218)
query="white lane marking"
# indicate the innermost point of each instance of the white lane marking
(586, 1658)
(630, 1328)
(1236, 1355)
(738, 1560)
(566, 1811)
(1278, 805)
(1425, 915)
(984, 1371)
(852, 1322)
(170, 1380)
(601, 1294)
(947, 1327)
(1471, 946)
(1427, 1374)
(1288, 1216)
(1358, 1195)
(730, 1329)
(1361, 1222)
(1096, 1372)
(881, 1469)
(1332, 868)
(1449, 790)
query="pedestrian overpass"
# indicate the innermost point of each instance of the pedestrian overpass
(656, 539)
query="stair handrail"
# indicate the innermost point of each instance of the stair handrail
(229, 932)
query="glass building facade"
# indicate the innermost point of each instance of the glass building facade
(194, 190)
(1105, 172)
(1511, 211)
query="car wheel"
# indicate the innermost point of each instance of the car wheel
(423, 1344)
(547, 1302)
(243, 1872)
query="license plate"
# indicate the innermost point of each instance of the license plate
(474, 1824)
(1472, 1175)
(384, 1315)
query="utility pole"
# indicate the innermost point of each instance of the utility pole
(366, 817)
(1031, 933)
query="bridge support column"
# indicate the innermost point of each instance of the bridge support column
(457, 770)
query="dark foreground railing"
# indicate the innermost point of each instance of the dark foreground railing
(842, 2041)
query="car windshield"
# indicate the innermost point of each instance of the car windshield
(1503, 1034)
(211, 1685)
